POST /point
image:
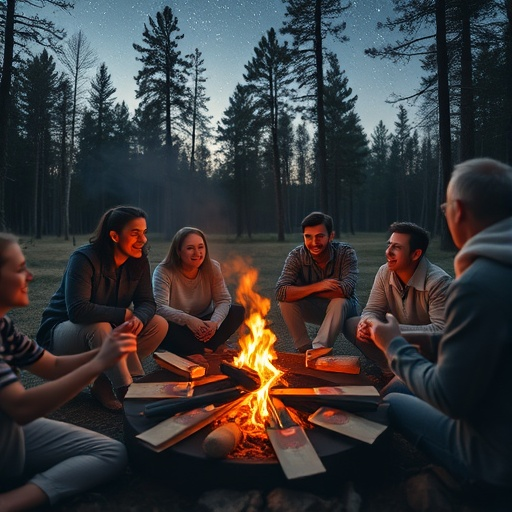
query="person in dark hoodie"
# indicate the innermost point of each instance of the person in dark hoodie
(106, 283)
(458, 410)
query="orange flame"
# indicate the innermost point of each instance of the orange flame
(257, 349)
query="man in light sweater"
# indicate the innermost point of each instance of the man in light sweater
(409, 287)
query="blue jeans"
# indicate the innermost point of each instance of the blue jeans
(430, 430)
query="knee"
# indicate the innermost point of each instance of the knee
(117, 456)
(350, 329)
(97, 333)
(160, 324)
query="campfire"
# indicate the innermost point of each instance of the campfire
(256, 354)
(248, 420)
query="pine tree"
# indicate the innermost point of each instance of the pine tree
(19, 30)
(200, 120)
(310, 23)
(268, 77)
(161, 86)
(239, 133)
(38, 94)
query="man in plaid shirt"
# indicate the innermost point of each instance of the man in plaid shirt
(317, 284)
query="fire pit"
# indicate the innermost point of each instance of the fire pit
(185, 464)
(315, 456)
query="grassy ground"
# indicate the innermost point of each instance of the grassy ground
(47, 259)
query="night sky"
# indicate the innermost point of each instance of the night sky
(226, 32)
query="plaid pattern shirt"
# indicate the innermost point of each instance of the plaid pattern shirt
(300, 269)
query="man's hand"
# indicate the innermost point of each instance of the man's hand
(383, 332)
(363, 332)
(328, 289)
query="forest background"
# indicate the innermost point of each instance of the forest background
(289, 142)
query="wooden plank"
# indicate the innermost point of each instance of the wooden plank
(175, 429)
(293, 449)
(179, 365)
(327, 391)
(295, 364)
(338, 364)
(348, 424)
(171, 406)
(170, 389)
(352, 398)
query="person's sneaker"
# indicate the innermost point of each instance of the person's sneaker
(102, 391)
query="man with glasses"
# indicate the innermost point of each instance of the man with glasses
(458, 409)
(318, 284)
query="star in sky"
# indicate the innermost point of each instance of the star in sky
(226, 32)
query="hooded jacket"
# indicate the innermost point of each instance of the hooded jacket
(472, 379)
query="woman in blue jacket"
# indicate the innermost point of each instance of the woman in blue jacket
(106, 283)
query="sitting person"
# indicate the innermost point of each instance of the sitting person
(43, 461)
(459, 412)
(409, 287)
(101, 283)
(191, 294)
(317, 285)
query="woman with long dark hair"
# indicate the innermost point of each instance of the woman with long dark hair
(43, 461)
(191, 294)
(106, 283)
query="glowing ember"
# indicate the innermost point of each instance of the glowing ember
(256, 352)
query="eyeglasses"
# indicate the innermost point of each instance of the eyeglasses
(444, 206)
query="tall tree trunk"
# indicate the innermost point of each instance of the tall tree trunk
(508, 99)
(5, 102)
(444, 108)
(276, 161)
(467, 110)
(322, 152)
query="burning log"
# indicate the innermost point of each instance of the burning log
(245, 376)
(222, 441)
(166, 408)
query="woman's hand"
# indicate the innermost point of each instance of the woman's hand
(208, 331)
(120, 342)
(203, 330)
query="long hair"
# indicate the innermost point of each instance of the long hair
(6, 240)
(114, 219)
(172, 259)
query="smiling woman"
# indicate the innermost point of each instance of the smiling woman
(43, 461)
(192, 296)
(106, 283)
